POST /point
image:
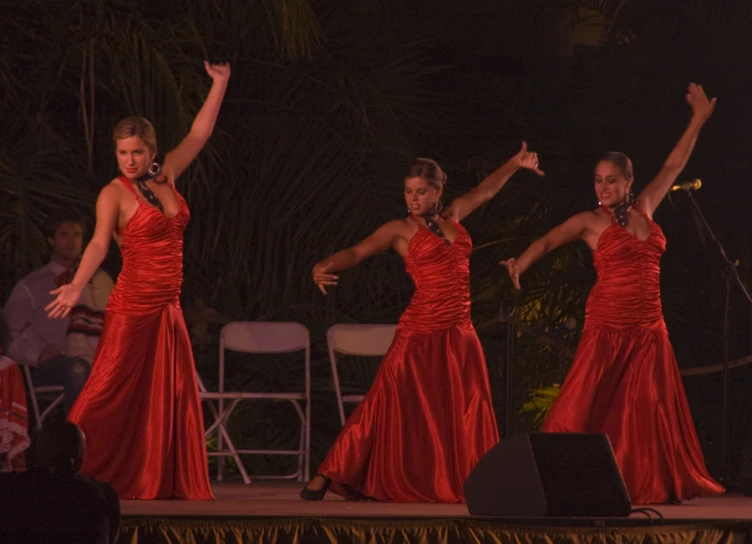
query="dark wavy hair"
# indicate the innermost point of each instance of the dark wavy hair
(621, 161)
(59, 217)
(429, 170)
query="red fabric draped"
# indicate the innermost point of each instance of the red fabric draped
(428, 418)
(140, 408)
(625, 381)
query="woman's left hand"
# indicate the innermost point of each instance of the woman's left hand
(528, 159)
(219, 71)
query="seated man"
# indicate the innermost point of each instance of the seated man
(41, 342)
(52, 502)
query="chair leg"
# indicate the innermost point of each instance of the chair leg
(234, 453)
(232, 450)
(307, 466)
(49, 408)
(33, 397)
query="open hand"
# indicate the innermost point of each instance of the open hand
(322, 277)
(528, 159)
(67, 297)
(514, 270)
(218, 71)
(698, 101)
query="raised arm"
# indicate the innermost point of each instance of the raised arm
(381, 240)
(177, 160)
(572, 229)
(702, 108)
(108, 209)
(466, 204)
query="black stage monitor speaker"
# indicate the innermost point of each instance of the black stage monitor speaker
(548, 474)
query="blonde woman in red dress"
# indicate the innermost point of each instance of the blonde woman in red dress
(140, 409)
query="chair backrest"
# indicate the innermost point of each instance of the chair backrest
(264, 337)
(360, 339)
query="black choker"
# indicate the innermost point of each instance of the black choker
(431, 223)
(153, 173)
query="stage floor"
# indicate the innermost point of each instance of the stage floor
(266, 499)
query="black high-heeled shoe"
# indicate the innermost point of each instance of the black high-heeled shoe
(311, 495)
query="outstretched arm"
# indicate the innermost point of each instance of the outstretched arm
(108, 209)
(702, 108)
(466, 204)
(177, 160)
(570, 230)
(381, 240)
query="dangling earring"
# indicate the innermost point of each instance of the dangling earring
(409, 211)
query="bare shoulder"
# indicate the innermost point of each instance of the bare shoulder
(113, 189)
(398, 226)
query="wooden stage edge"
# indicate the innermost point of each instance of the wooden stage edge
(268, 499)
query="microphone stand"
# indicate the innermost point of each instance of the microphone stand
(730, 273)
(507, 307)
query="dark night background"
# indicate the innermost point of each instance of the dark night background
(328, 103)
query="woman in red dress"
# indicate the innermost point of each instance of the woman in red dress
(427, 418)
(140, 408)
(624, 380)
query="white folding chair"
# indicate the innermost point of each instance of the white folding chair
(260, 337)
(357, 339)
(53, 394)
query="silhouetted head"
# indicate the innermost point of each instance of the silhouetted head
(424, 186)
(58, 447)
(135, 146)
(613, 178)
(64, 230)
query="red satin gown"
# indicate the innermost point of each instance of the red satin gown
(624, 380)
(427, 418)
(140, 408)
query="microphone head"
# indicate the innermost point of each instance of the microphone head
(687, 185)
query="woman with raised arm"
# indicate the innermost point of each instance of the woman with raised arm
(140, 408)
(624, 380)
(427, 418)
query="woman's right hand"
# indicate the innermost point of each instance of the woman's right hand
(322, 277)
(514, 270)
(67, 297)
(702, 108)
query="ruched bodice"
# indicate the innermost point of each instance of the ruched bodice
(152, 250)
(628, 290)
(441, 274)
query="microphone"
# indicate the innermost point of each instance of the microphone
(569, 325)
(693, 185)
